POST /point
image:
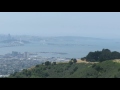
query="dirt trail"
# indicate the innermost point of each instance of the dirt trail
(81, 61)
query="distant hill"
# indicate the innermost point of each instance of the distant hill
(105, 69)
(14, 40)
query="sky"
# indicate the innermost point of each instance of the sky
(87, 24)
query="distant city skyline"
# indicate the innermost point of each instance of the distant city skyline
(86, 24)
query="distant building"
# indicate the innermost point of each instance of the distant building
(14, 53)
(9, 37)
(20, 55)
(26, 55)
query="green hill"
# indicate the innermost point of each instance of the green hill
(105, 69)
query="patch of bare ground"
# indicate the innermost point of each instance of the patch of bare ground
(116, 60)
(78, 61)
(84, 61)
(31, 68)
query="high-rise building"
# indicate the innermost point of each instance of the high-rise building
(9, 37)
(14, 53)
(26, 55)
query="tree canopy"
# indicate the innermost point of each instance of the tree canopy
(103, 55)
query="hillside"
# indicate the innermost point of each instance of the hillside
(105, 69)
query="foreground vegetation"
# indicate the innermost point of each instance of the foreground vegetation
(105, 69)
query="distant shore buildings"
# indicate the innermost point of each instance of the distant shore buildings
(26, 55)
(9, 37)
(14, 53)
(20, 55)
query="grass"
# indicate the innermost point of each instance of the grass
(81, 69)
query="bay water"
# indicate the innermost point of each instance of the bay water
(71, 48)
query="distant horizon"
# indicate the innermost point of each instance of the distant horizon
(57, 36)
(47, 24)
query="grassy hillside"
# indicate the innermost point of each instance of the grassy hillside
(105, 69)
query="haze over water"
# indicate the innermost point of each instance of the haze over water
(73, 47)
(104, 25)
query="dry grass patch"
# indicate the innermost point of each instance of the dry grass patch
(116, 60)
(84, 61)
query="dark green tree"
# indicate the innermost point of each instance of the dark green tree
(37, 65)
(54, 63)
(75, 68)
(74, 60)
(70, 62)
(47, 63)
(103, 55)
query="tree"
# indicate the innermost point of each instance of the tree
(47, 63)
(74, 60)
(98, 68)
(90, 56)
(37, 65)
(103, 55)
(70, 62)
(75, 68)
(54, 63)
(83, 58)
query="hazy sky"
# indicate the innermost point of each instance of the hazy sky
(88, 24)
